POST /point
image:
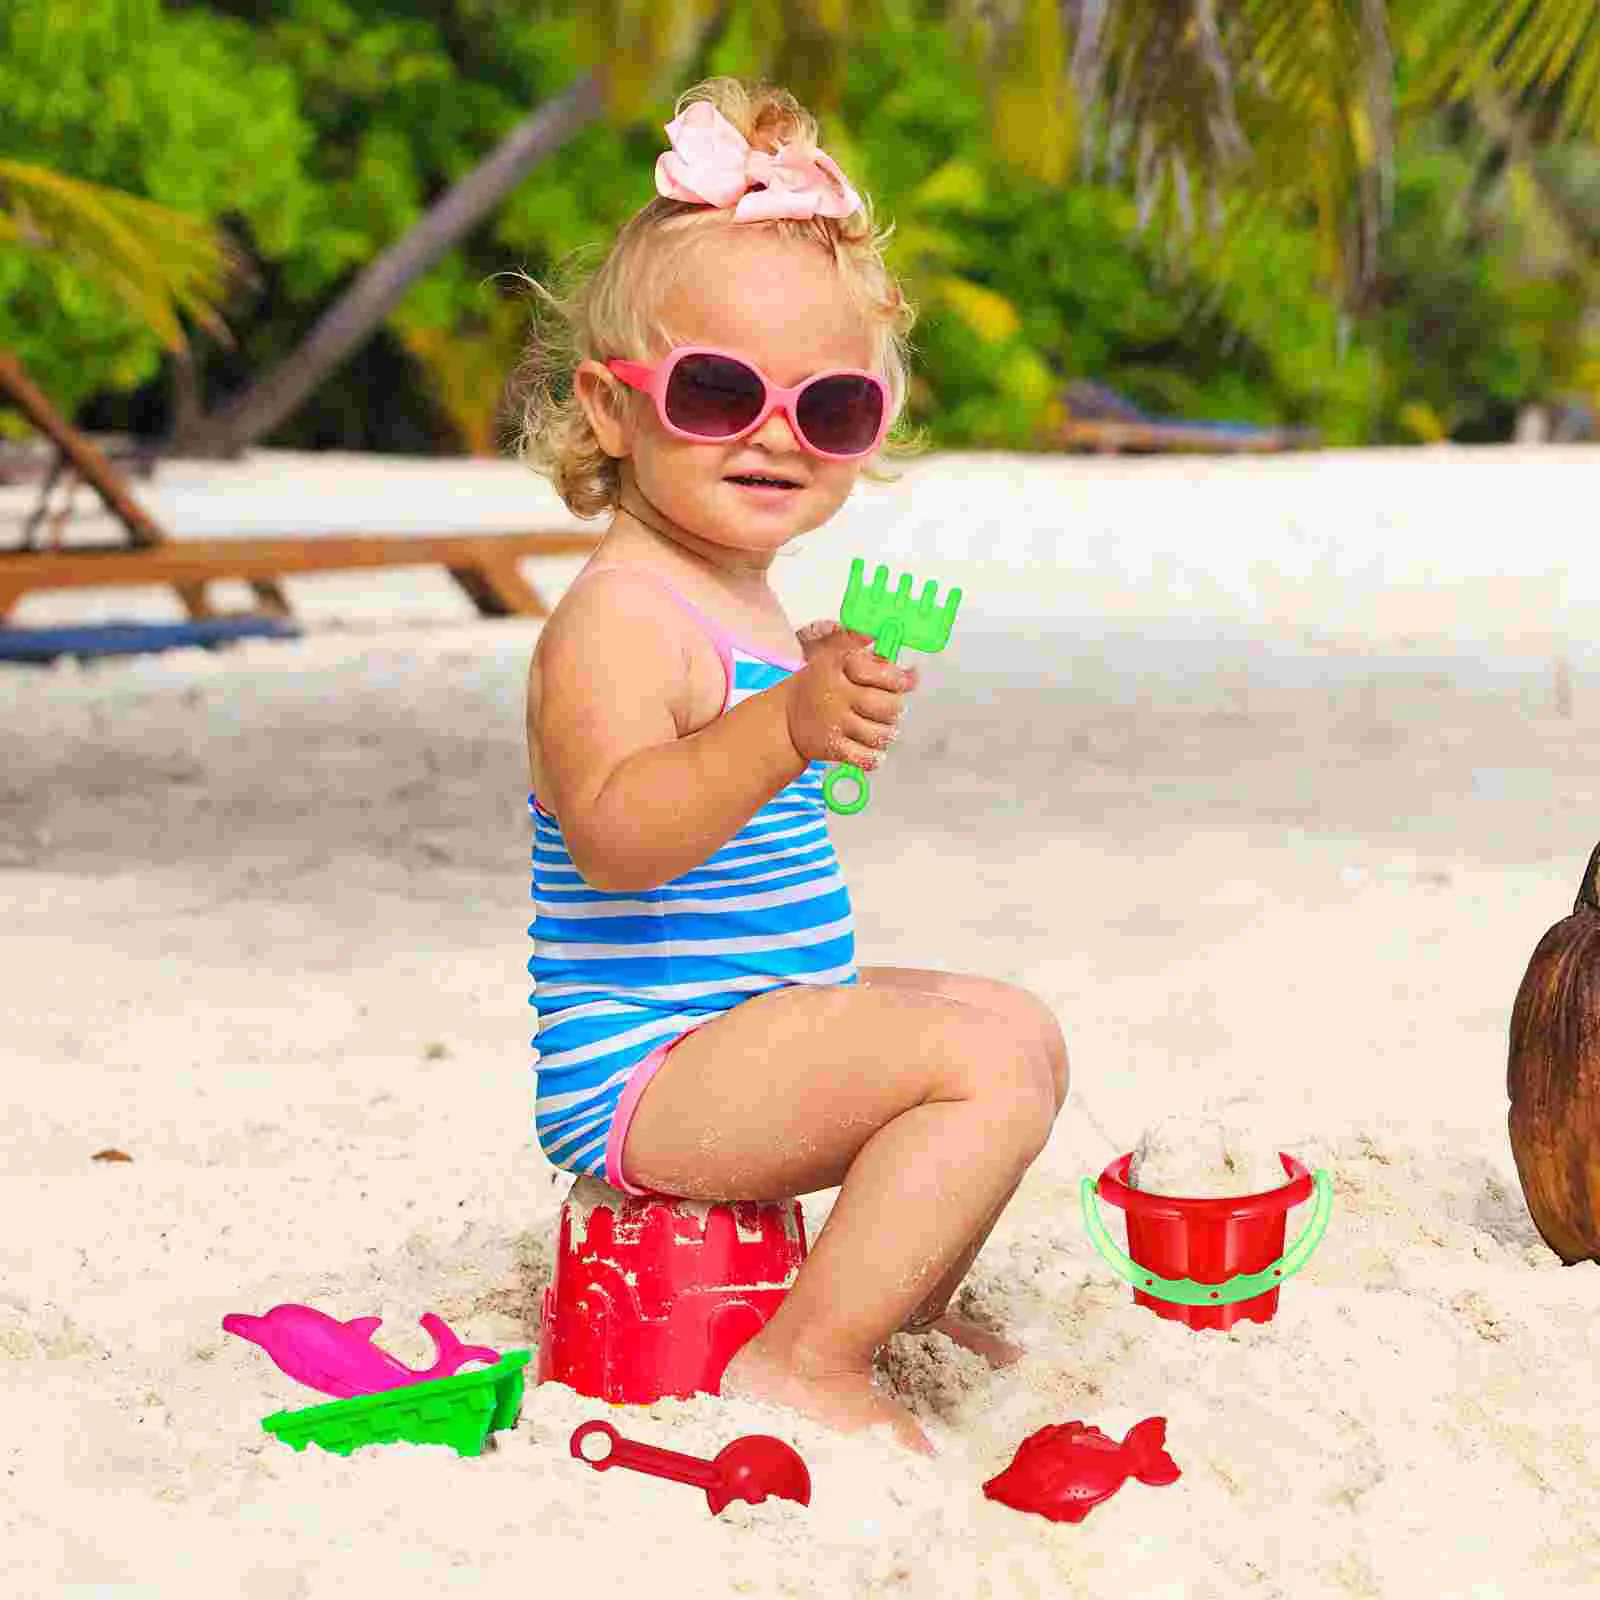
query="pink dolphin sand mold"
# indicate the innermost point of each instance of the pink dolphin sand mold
(339, 1358)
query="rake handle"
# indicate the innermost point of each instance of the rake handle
(889, 639)
(887, 647)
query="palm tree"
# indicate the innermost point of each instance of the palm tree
(1236, 105)
(1188, 98)
(1257, 103)
(382, 284)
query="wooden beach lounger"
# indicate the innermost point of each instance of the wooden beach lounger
(1166, 438)
(484, 564)
(1101, 420)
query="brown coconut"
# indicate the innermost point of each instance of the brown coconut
(1553, 1078)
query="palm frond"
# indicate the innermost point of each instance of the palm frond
(1198, 101)
(1272, 106)
(1547, 50)
(1315, 100)
(162, 264)
(1163, 79)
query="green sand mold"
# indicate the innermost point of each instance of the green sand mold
(462, 1412)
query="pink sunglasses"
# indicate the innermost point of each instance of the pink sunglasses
(709, 395)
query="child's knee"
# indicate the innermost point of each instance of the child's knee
(1038, 1027)
(1032, 1101)
(1055, 1044)
(1000, 1050)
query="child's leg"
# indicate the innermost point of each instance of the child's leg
(1029, 1011)
(926, 1109)
(988, 994)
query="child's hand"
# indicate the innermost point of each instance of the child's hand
(813, 633)
(845, 703)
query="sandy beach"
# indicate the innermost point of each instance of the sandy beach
(1267, 776)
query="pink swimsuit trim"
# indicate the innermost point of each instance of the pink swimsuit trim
(639, 1079)
(723, 641)
(632, 1090)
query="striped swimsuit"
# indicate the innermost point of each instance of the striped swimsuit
(621, 977)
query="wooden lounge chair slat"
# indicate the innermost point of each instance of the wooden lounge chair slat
(484, 565)
(1160, 438)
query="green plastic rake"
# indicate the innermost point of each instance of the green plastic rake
(894, 620)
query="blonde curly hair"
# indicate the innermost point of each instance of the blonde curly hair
(614, 311)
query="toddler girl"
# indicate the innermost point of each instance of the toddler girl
(704, 1030)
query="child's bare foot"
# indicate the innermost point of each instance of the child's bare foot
(844, 1401)
(997, 1350)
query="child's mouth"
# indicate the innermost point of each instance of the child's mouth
(762, 484)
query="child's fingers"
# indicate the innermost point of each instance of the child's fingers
(877, 706)
(857, 753)
(869, 735)
(827, 648)
(867, 668)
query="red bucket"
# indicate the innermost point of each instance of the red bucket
(1178, 1247)
(652, 1296)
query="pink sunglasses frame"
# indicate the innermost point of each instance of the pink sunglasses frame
(653, 380)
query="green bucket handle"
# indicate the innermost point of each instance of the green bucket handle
(1185, 1291)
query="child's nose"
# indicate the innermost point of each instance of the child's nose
(776, 433)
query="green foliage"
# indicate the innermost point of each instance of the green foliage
(1472, 320)
(318, 131)
(1537, 50)
(172, 106)
(1092, 294)
(159, 262)
(406, 97)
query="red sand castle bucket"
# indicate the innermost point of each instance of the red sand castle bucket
(1214, 1262)
(652, 1296)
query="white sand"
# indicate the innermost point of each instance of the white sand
(264, 930)
(1201, 1157)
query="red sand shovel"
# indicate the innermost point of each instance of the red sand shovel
(750, 1468)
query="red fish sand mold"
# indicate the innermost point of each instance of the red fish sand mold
(1064, 1471)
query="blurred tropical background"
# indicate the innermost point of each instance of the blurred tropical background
(228, 223)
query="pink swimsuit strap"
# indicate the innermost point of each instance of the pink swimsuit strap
(724, 641)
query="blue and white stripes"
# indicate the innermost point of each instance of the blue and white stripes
(619, 975)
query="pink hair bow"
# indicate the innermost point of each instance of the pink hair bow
(711, 163)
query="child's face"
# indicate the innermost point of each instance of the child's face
(783, 309)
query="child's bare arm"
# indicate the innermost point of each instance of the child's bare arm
(639, 803)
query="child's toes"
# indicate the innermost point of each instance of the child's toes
(997, 1350)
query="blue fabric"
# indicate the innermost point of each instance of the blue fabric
(619, 975)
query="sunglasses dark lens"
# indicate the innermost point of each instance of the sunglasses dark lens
(841, 415)
(712, 397)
